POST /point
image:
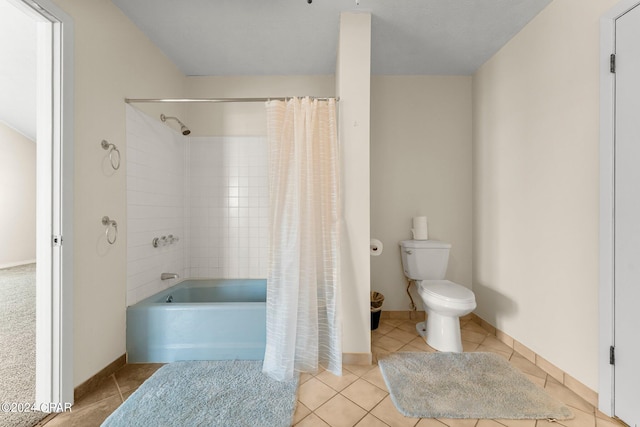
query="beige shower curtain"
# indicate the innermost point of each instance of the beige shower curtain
(304, 328)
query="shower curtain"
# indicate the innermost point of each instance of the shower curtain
(304, 328)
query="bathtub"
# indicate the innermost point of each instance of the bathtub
(212, 319)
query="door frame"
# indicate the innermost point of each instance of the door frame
(606, 297)
(54, 203)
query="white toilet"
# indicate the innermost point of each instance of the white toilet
(425, 262)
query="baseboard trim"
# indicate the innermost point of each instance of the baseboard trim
(567, 380)
(402, 315)
(357, 358)
(94, 382)
(17, 263)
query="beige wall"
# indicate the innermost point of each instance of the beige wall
(420, 165)
(536, 187)
(244, 119)
(353, 72)
(113, 60)
(17, 198)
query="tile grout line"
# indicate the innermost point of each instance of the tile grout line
(118, 387)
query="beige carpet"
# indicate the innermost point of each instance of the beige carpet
(18, 338)
(465, 385)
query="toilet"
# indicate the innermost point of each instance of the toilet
(425, 262)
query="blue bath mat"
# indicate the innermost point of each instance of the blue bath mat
(465, 385)
(209, 393)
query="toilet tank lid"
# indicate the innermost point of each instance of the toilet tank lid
(425, 244)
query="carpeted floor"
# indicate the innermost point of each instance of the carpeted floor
(18, 341)
(465, 385)
(219, 393)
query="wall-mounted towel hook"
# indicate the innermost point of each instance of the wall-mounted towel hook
(114, 153)
(110, 223)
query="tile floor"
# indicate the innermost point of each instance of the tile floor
(360, 397)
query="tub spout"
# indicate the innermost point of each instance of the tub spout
(167, 276)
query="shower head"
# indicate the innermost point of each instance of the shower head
(185, 130)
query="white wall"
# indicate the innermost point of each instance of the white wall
(17, 198)
(113, 60)
(421, 145)
(156, 175)
(536, 187)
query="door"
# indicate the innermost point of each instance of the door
(627, 219)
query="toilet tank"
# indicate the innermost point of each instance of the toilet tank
(425, 259)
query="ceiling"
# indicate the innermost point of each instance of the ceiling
(282, 37)
(291, 37)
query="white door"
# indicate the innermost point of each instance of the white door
(627, 219)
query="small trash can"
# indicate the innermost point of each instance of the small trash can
(376, 309)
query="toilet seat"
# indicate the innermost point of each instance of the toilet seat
(447, 291)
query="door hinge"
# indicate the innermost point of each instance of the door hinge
(57, 240)
(612, 63)
(612, 355)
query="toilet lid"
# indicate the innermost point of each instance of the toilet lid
(447, 291)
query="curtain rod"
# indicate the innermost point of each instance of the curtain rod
(215, 100)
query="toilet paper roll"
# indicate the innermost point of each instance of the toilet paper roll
(419, 221)
(375, 247)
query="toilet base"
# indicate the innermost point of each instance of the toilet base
(421, 328)
(443, 332)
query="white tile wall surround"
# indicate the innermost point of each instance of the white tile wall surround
(228, 199)
(212, 192)
(155, 203)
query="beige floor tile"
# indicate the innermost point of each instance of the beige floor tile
(505, 354)
(312, 420)
(376, 335)
(493, 342)
(430, 422)
(402, 336)
(359, 370)
(518, 423)
(472, 336)
(525, 366)
(338, 383)
(411, 349)
(394, 322)
(340, 412)
(420, 343)
(409, 326)
(388, 413)
(489, 423)
(388, 343)
(301, 412)
(379, 353)
(314, 393)
(474, 327)
(566, 396)
(304, 377)
(458, 423)
(469, 346)
(92, 415)
(374, 376)
(384, 328)
(540, 382)
(105, 389)
(132, 376)
(371, 421)
(581, 419)
(365, 394)
(601, 422)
